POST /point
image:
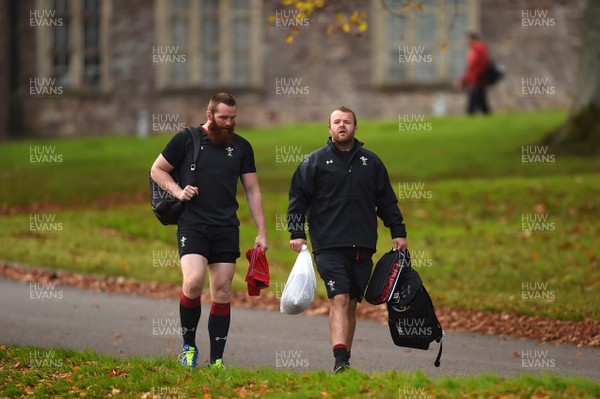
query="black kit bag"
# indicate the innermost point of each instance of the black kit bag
(166, 207)
(493, 73)
(385, 276)
(411, 315)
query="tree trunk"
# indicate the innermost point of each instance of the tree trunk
(580, 134)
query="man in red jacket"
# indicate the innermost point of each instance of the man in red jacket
(473, 78)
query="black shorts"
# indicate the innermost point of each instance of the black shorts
(218, 244)
(345, 270)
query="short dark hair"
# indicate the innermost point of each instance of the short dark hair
(343, 108)
(473, 35)
(221, 98)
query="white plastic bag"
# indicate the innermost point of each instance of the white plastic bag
(299, 290)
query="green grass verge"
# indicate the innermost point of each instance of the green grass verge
(85, 170)
(467, 237)
(42, 373)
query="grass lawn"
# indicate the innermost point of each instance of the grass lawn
(487, 231)
(42, 373)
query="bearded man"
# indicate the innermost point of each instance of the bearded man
(208, 228)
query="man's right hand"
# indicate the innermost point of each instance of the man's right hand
(297, 243)
(187, 193)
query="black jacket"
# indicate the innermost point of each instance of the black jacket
(341, 200)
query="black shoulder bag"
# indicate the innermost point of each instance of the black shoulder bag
(166, 207)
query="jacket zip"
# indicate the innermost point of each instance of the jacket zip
(352, 195)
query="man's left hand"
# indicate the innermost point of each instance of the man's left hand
(261, 241)
(399, 243)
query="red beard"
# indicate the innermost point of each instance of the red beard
(220, 137)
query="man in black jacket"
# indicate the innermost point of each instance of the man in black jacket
(341, 188)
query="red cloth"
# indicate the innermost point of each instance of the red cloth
(258, 275)
(477, 62)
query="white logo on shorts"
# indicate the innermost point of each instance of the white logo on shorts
(183, 241)
(331, 284)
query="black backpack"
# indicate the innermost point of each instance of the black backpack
(493, 73)
(385, 276)
(411, 316)
(166, 207)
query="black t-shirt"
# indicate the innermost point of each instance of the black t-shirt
(217, 173)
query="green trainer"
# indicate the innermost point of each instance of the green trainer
(188, 356)
(216, 365)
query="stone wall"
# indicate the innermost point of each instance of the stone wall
(335, 70)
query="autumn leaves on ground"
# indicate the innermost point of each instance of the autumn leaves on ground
(502, 232)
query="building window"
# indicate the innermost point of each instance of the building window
(207, 43)
(75, 50)
(421, 46)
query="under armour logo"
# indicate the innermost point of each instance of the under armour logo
(229, 151)
(329, 161)
(221, 338)
(405, 291)
(331, 284)
(364, 160)
(183, 241)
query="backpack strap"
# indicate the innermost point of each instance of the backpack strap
(437, 358)
(439, 355)
(197, 140)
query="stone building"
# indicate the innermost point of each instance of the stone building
(78, 67)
